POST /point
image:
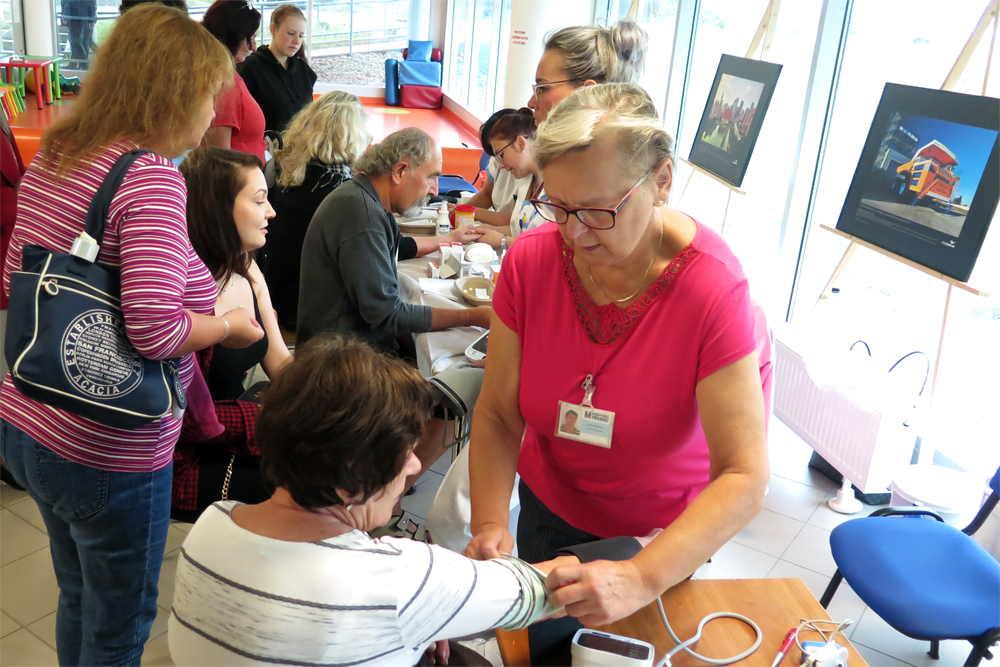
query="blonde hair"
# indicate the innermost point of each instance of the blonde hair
(622, 111)
(283, 12)
(604, 55)
(332, 129)
(147, 83)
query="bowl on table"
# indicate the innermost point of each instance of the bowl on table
(467, 288)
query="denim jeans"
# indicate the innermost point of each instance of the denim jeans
(107, 531)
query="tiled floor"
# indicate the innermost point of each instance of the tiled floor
(790, 538)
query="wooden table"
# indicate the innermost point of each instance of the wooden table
(43, 81)
(776, 605)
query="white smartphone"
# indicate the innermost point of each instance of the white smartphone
(476, 353)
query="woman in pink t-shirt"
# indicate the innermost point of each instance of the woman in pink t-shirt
(239, 121)
(640, 309)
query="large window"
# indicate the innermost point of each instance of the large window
(894, 308)
(754, 220)
(8, 42)
(658, 18)
(477, 53)
(348, 41)
(351, 39)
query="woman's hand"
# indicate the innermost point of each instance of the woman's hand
(244, 330)
(599, 592)
(490, 236)
(438, 652)
(467, 234)
(491, 541)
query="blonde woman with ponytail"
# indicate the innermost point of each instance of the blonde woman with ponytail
(654, 310)
(586, 55)
(320, 146)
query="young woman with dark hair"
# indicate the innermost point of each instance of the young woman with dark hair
(228, 213)
(496, 198)
(239, 122)
(278, 74)
(510, 140)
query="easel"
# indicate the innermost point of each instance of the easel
(762, 39)
(991, 15)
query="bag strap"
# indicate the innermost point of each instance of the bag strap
(97, 214)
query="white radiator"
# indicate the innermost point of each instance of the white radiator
(865, 445)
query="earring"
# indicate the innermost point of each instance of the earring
(350, 507)
(658, 202)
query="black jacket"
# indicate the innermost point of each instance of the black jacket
(280, 93)
(293, 210)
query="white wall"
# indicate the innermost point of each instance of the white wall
(530, 21)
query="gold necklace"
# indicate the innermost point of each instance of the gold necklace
(635, 293)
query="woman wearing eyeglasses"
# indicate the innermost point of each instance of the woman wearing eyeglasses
(511, 139)
(586, 55)
(639, 320)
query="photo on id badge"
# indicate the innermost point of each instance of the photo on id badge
(585, 424)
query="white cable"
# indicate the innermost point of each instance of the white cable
(683, 646)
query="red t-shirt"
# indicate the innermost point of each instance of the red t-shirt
(236, 108)
(696, 319)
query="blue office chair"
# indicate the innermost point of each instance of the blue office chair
(924, 578)
(449, 183)
(452, 184)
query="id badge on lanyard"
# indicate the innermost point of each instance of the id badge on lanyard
(583, 422)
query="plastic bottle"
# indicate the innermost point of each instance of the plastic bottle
(443, 224)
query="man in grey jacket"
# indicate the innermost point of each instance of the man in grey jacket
(348, 276)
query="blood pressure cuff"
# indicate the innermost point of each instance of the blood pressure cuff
(614, 548)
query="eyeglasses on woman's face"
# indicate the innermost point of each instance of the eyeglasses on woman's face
(595, 218)
(499, 153)
(539, 89)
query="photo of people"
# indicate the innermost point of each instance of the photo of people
(733, 109)
(734, 113)
(926, 173)
(569, 423)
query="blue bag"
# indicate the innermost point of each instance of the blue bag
(66, 343)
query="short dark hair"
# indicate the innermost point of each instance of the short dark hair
(232, 22)
(340, 416)
(214, 179)
(521, 123)
(129, 4)
(572, 412)
(487, 127)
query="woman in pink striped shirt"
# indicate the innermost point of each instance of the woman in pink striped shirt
(104, 492)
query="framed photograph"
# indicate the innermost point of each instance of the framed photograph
(928, 180)
(733, 115)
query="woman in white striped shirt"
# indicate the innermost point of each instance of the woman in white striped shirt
(296, 580)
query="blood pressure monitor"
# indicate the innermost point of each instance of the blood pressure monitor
(601, 649)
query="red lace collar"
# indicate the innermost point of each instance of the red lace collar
(606, 324)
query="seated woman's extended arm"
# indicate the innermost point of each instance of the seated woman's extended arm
(731, 405)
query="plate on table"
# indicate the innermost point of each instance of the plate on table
(480, 253)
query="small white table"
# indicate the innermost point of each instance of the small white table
(436, 350)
